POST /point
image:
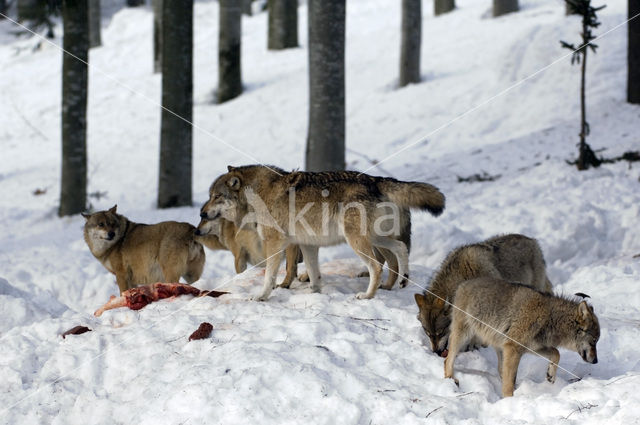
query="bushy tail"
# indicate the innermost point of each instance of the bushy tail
(414, 195)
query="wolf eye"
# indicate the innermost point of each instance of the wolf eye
(100, 224)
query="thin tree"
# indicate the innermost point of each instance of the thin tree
(157, 35)
(410, 44)
(73, 184)
(246, 7)
(283, 24)
(326, 137)
(94, 23)
(229, 69)
(501, 7)
(3, 8)
(443, 6)
(583, 8)
(174, 188)
(135, 3)
(633, 53)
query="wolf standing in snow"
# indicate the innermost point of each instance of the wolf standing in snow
(515, 319)
(321, 209)
(143, 253)
(245, 245)
(512, 257)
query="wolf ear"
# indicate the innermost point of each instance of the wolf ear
(583, 311)
(420, 300)
(439, 303)
(234, 183)
(230, 168)
(85, 215)
(113, 209)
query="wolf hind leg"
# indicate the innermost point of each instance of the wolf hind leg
(510, 361)
(310, 258)
(400, 251)
(363, 247)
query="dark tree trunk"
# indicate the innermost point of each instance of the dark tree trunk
(174, 188)
(32, 10)
(411, 39)
(246, 7)
(73, 185)
(326, 137)
(633, 76)
(3, 8)
(568, 10)
(94, 23)
(157, 35)
(283, 24)
(501, 7)
(443, 6)
(135, 3)
(229, 70)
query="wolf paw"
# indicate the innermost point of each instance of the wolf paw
(363, 296)
(551, 378)
(261, 297)
(405, 281)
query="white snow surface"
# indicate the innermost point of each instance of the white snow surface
(322, 358)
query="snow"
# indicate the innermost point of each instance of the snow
(321, 357)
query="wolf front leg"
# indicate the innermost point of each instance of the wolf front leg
(273, 251)
(554, 357)
(122, 281)
(511, 354)
(310, 258)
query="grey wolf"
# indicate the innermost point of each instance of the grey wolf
(512, 257)
(143, 253)
(245, 245)
(313, 209)
(515, 319)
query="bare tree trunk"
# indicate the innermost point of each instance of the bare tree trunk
(246, 7)
(443, 6)
(3, 8)
(73, 185)
(174, 188)
(229, 69)
(31, 10)
(633, 54)
(94, 23)
(586, 157)
(157, 35)
(326, 137)
(501, 7)
(135, 3)
(283, 24)
(411, 39)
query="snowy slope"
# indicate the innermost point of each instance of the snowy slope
(327, 357)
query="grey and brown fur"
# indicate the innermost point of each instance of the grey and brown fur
(336, 206)
(140, 254)
(515, 319)
(245, 245)
(512, 257)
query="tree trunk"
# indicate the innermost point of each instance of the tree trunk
(229, 70)
(586, 156)
(157, 35)
(3, 8)
(31, 10)
(568, 10)
(443, 6)
(174, 188)
(73, 185)
(326, 137)
(246, 7)
(283, 24)
(411, 39)
(135, 3)
(501, 7)
(94, 23)
(633, 76)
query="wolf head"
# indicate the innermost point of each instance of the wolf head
(224, 196)
(103, 229)
(587, 333)
(435, 316)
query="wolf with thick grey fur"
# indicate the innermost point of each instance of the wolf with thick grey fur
(512, 257)
(516, 319)
(321, 209)
(140, 254)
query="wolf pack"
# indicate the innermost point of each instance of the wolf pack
(493, 293)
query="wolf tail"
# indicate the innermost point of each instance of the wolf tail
(418, 195)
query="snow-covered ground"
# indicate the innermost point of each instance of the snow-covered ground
(323, 358)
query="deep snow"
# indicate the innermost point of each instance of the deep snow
(327, 357)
